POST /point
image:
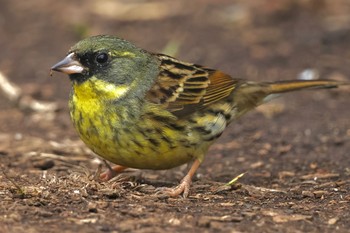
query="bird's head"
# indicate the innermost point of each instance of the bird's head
(108, 59)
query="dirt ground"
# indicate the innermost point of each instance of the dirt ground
(294, 151)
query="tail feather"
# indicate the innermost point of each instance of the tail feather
(251, 94)
(294, 85)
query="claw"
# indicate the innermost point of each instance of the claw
(183, 187)
(111, 171)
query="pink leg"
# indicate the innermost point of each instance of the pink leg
(111, 171)
(184, 186)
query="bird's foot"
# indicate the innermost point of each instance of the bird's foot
(111, 172)
(183, 187)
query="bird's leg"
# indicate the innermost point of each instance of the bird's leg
(111, 171)
(184, 186)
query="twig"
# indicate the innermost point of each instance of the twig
(25, 102)
(19, 189)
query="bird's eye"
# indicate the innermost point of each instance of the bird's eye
(101, 58)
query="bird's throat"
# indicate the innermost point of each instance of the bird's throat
(94, 88)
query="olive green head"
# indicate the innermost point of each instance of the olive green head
(109, 59)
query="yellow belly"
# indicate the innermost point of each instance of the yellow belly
(112, 132)
(145, 144)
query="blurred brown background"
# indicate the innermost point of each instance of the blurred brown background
(282, 145)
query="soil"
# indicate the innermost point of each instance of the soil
(294, 151)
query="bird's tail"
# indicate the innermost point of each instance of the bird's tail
(294, 85)
(251, 94)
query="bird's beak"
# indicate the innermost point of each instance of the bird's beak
(69, 65)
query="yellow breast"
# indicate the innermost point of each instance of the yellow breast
(126, 135)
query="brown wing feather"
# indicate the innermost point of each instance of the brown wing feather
(221, 86)
(184, 87)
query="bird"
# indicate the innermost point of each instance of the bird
(144, 110)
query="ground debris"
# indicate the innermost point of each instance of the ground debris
(206, 221)
(317, 176)
(280, 217)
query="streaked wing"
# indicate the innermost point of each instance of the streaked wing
(184, 87)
